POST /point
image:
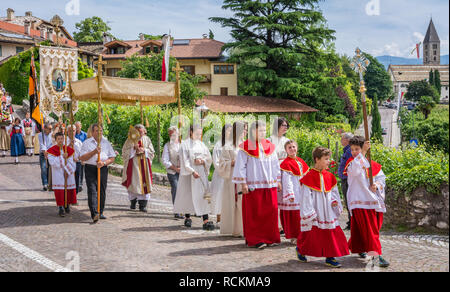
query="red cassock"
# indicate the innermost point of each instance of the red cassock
(366, 223)
(290, 219)
(260, 207)
(365, 231)
(326, 238)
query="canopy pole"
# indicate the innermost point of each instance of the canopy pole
(100, 124)
(177, 70)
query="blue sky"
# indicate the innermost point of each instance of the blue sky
(395, 31)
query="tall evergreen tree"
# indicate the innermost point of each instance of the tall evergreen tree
(377, 131)
(431, 78)
(437, 81)
(281, 48)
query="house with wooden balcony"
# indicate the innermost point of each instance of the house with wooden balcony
(196, 56)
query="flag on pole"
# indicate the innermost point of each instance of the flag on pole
(33, 93)
(417, 49)
(166, 59)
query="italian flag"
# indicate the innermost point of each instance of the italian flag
(166, 59)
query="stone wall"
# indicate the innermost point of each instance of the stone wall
(419, 209)
(158, 178)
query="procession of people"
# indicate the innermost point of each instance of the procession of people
(258, 184)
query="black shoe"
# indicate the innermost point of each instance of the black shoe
(363, 255)
(282, 232)
(143, 206)
(188, 222)
(67, 210)
(45, 189)
(103, 217)
(61, 212)
(133, 204)
(80, 189)
(209, 226)
(95, 218)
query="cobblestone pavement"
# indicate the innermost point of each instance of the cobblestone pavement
(34, 238)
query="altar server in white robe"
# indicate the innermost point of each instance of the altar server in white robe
(258, 171)
(217, 180)
(231, 223)
(293, 168)
(320, 208)
(60, 170)
(193, 190)
(137, 170)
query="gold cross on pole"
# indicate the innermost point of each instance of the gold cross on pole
(177, 70)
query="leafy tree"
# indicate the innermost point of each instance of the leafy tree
(211, 35)
(91, 30)
(152, 37)
(280, 49)
(150, 67)
(426, 104)
(437, 81)
(377, 80)
(84, 71)
(417, 89)
(377, 131)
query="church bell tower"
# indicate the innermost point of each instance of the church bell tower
(431, 46)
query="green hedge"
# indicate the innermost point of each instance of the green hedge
(411, 168)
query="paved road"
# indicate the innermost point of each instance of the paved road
(389, 122)
(34, 238)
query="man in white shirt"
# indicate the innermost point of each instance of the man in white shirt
(89, 155)
(45, 143)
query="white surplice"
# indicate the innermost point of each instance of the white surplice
(291, 190)
(190, 197)
(316, 208)
(217, 181)
(231, 215)
(258, 173)
(359, 196)
(59, 168)
(279, 143)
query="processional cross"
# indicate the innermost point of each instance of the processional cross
(359, 64)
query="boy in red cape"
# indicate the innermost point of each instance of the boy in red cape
(257, 170)
(320, 208)
(366, 203)
(56, 158)
(293, 168)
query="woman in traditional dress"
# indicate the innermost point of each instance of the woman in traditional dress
(17, 142)
(5, 139)
(231, 193)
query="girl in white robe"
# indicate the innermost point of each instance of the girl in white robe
(217, 180)
(193, 190)
(231, 223)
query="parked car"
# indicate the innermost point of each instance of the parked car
(384, 132)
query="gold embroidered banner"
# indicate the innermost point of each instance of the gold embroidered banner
(54, 76)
